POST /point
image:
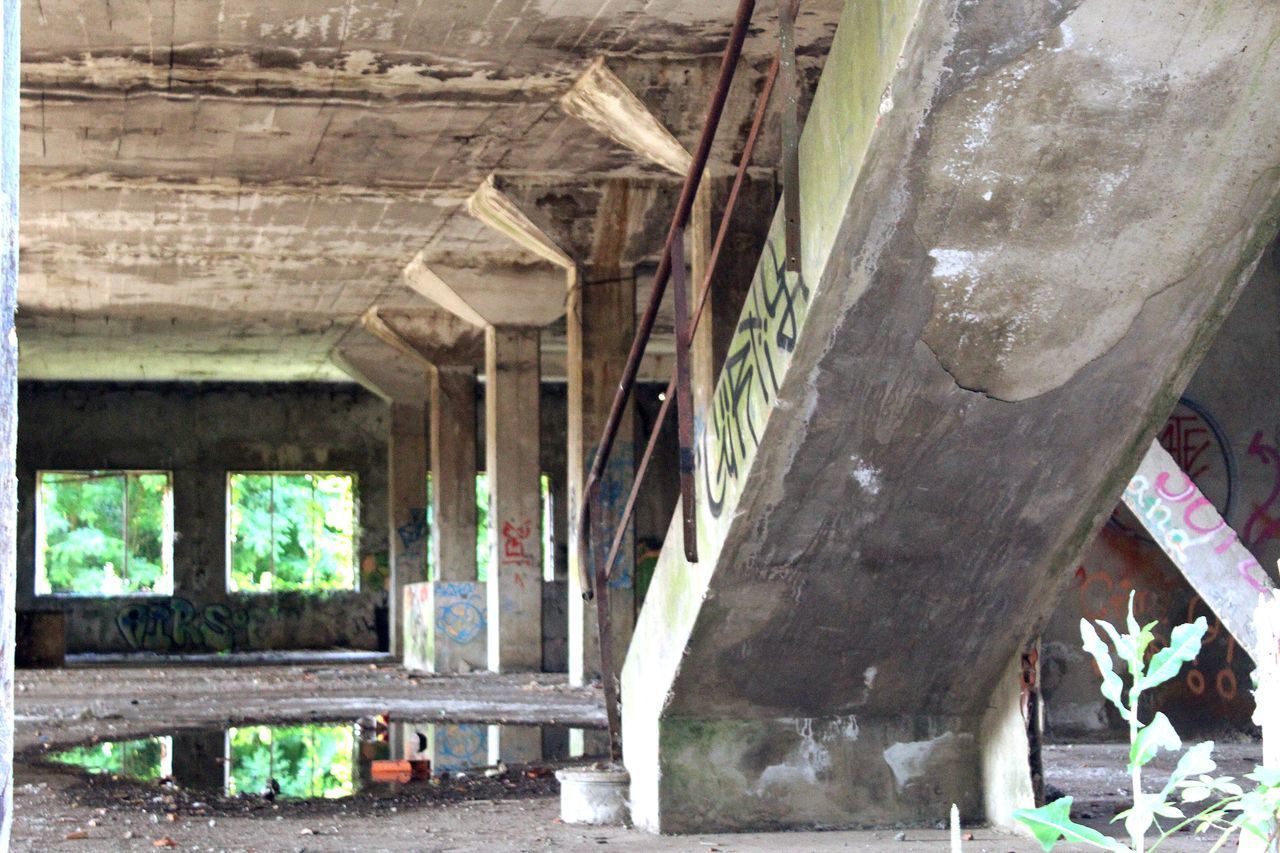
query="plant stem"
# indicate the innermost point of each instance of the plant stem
(1138, 839)
(1223, 840)
(1190, 820)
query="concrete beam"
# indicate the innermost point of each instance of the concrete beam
(381, 369)
(1199, 542)
(604, 102)
(530, 295)
(376, 326)
(419, 276)
(492, 207)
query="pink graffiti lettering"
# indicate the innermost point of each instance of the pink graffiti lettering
(1162, 489)
(1246, 569)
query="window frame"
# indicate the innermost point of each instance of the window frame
(41, 580)
(355, 530)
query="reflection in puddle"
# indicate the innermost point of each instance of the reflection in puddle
(325, 760)
(146, 759)
(298, 762)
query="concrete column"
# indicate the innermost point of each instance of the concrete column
(515, 744)
(407, 480)
(453, 467)
(451, 609)
(8, 398)
(512, 439)
(601, 325)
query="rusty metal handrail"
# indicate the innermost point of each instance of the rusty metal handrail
(728, 66)
(731, 203)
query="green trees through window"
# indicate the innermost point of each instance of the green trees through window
(104, 533)
(292, 531)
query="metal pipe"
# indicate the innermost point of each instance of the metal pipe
(684, 402)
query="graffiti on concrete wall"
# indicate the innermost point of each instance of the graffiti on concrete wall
(757, 360)
(1264, 521)
(459, 611)
(1186, 526)
(415, 532)
(1197, 442)
(1178, 523)
(516, 537)
(460, 747)
(417, 651)
(178, 625)
(614, 489)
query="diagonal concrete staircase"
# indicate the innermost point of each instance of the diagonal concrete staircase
(1022, 225)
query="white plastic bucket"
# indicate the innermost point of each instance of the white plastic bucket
(594, 795)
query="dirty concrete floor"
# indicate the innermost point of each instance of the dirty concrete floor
(62, 707)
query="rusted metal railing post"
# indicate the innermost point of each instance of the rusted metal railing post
(684, 400)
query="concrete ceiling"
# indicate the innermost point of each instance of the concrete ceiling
(219, 190)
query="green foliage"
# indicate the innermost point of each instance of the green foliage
(142, 759)
(1255, 812)
(292, 531)
(484, 532)
(104, 533)
(1052, 822)
(305, 761)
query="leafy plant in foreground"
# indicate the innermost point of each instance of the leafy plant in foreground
(1190, 785)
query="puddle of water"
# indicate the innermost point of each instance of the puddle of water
(325, 760)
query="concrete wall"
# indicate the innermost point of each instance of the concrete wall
(1225, 431)
(199, 433)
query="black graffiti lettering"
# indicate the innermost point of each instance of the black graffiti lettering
(771, 320)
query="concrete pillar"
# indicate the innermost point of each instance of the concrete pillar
(515, 744)
(8, 399)
(407, 480)
(512, 439)
(451, 608)
(453, 467)
(199, 760)
(601, 325)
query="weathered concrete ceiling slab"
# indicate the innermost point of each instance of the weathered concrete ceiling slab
(260, 159)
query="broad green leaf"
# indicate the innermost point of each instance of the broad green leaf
(1053, 821)
(1268, 776)
(1138, 819)
(1195, 794)
(1111, 683)
(1196, 761)
(1122, 642)
(1169, 810)
(1184, 645)
(1226, 786)
(1153, 737)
